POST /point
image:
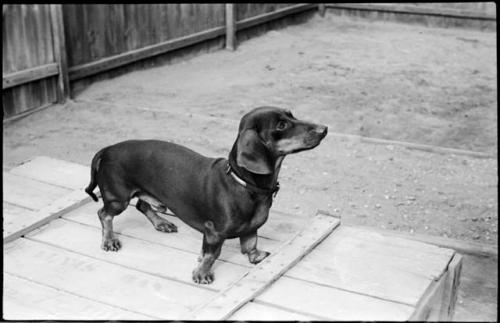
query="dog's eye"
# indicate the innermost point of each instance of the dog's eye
(281, 125)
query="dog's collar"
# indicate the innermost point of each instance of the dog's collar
(251, 187)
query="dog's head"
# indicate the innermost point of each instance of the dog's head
(267, 133)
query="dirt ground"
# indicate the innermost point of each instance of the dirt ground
(378, 79)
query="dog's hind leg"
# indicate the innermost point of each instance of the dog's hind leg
(106, 215)
(158, 222)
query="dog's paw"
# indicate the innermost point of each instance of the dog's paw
(166, 227)
(258, 256)
(111, 245)
(201, 277)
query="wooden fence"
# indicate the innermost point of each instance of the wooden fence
(48, 47)
(45, 47)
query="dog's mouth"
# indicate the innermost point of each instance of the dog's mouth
(313, 140)
(315, 136)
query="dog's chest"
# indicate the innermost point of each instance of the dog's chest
(248, 221)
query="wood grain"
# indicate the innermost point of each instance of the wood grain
(375, 269)
(331, 303)
(101, 281)
(26, 300)
(29, 193)
(55, 171)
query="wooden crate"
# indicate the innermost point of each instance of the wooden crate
(54, 267)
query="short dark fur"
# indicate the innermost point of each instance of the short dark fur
(199, 190)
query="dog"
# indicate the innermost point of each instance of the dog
(221, 198)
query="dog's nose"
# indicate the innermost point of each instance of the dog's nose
(322, 130)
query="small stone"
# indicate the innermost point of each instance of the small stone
(386, 197)
(378, 206)
(476, 237)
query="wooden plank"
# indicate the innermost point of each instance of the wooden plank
(26, 300)
(55, 171)
(21, 115)
(331, 303)
(16, 218)
(467, 247)
(134, 224)
(397, 241)
(29, 75)
(263, 312)
(226, 303)
(416, 257)
(81, 71)
(59, 43)
(379, 270)
(44, 215)
(29, 193)
(429, 306)
(451, 288)
(230, 27)
(416, 10)
(101, 281)
(280, 13)
(136, 254)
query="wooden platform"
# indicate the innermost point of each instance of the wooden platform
(319, 270)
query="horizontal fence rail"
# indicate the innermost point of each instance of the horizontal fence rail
(30, 75)
(418, 10)
(105, 64)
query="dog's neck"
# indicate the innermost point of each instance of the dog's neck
(268, 181)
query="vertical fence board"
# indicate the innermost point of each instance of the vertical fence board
(230, 27)
(60, 52)
(27, 43)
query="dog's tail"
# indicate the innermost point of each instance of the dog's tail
(93, 172)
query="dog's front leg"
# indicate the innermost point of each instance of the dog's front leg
(212, 245)
(249, 246)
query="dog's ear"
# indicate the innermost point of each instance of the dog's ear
(252, 154)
